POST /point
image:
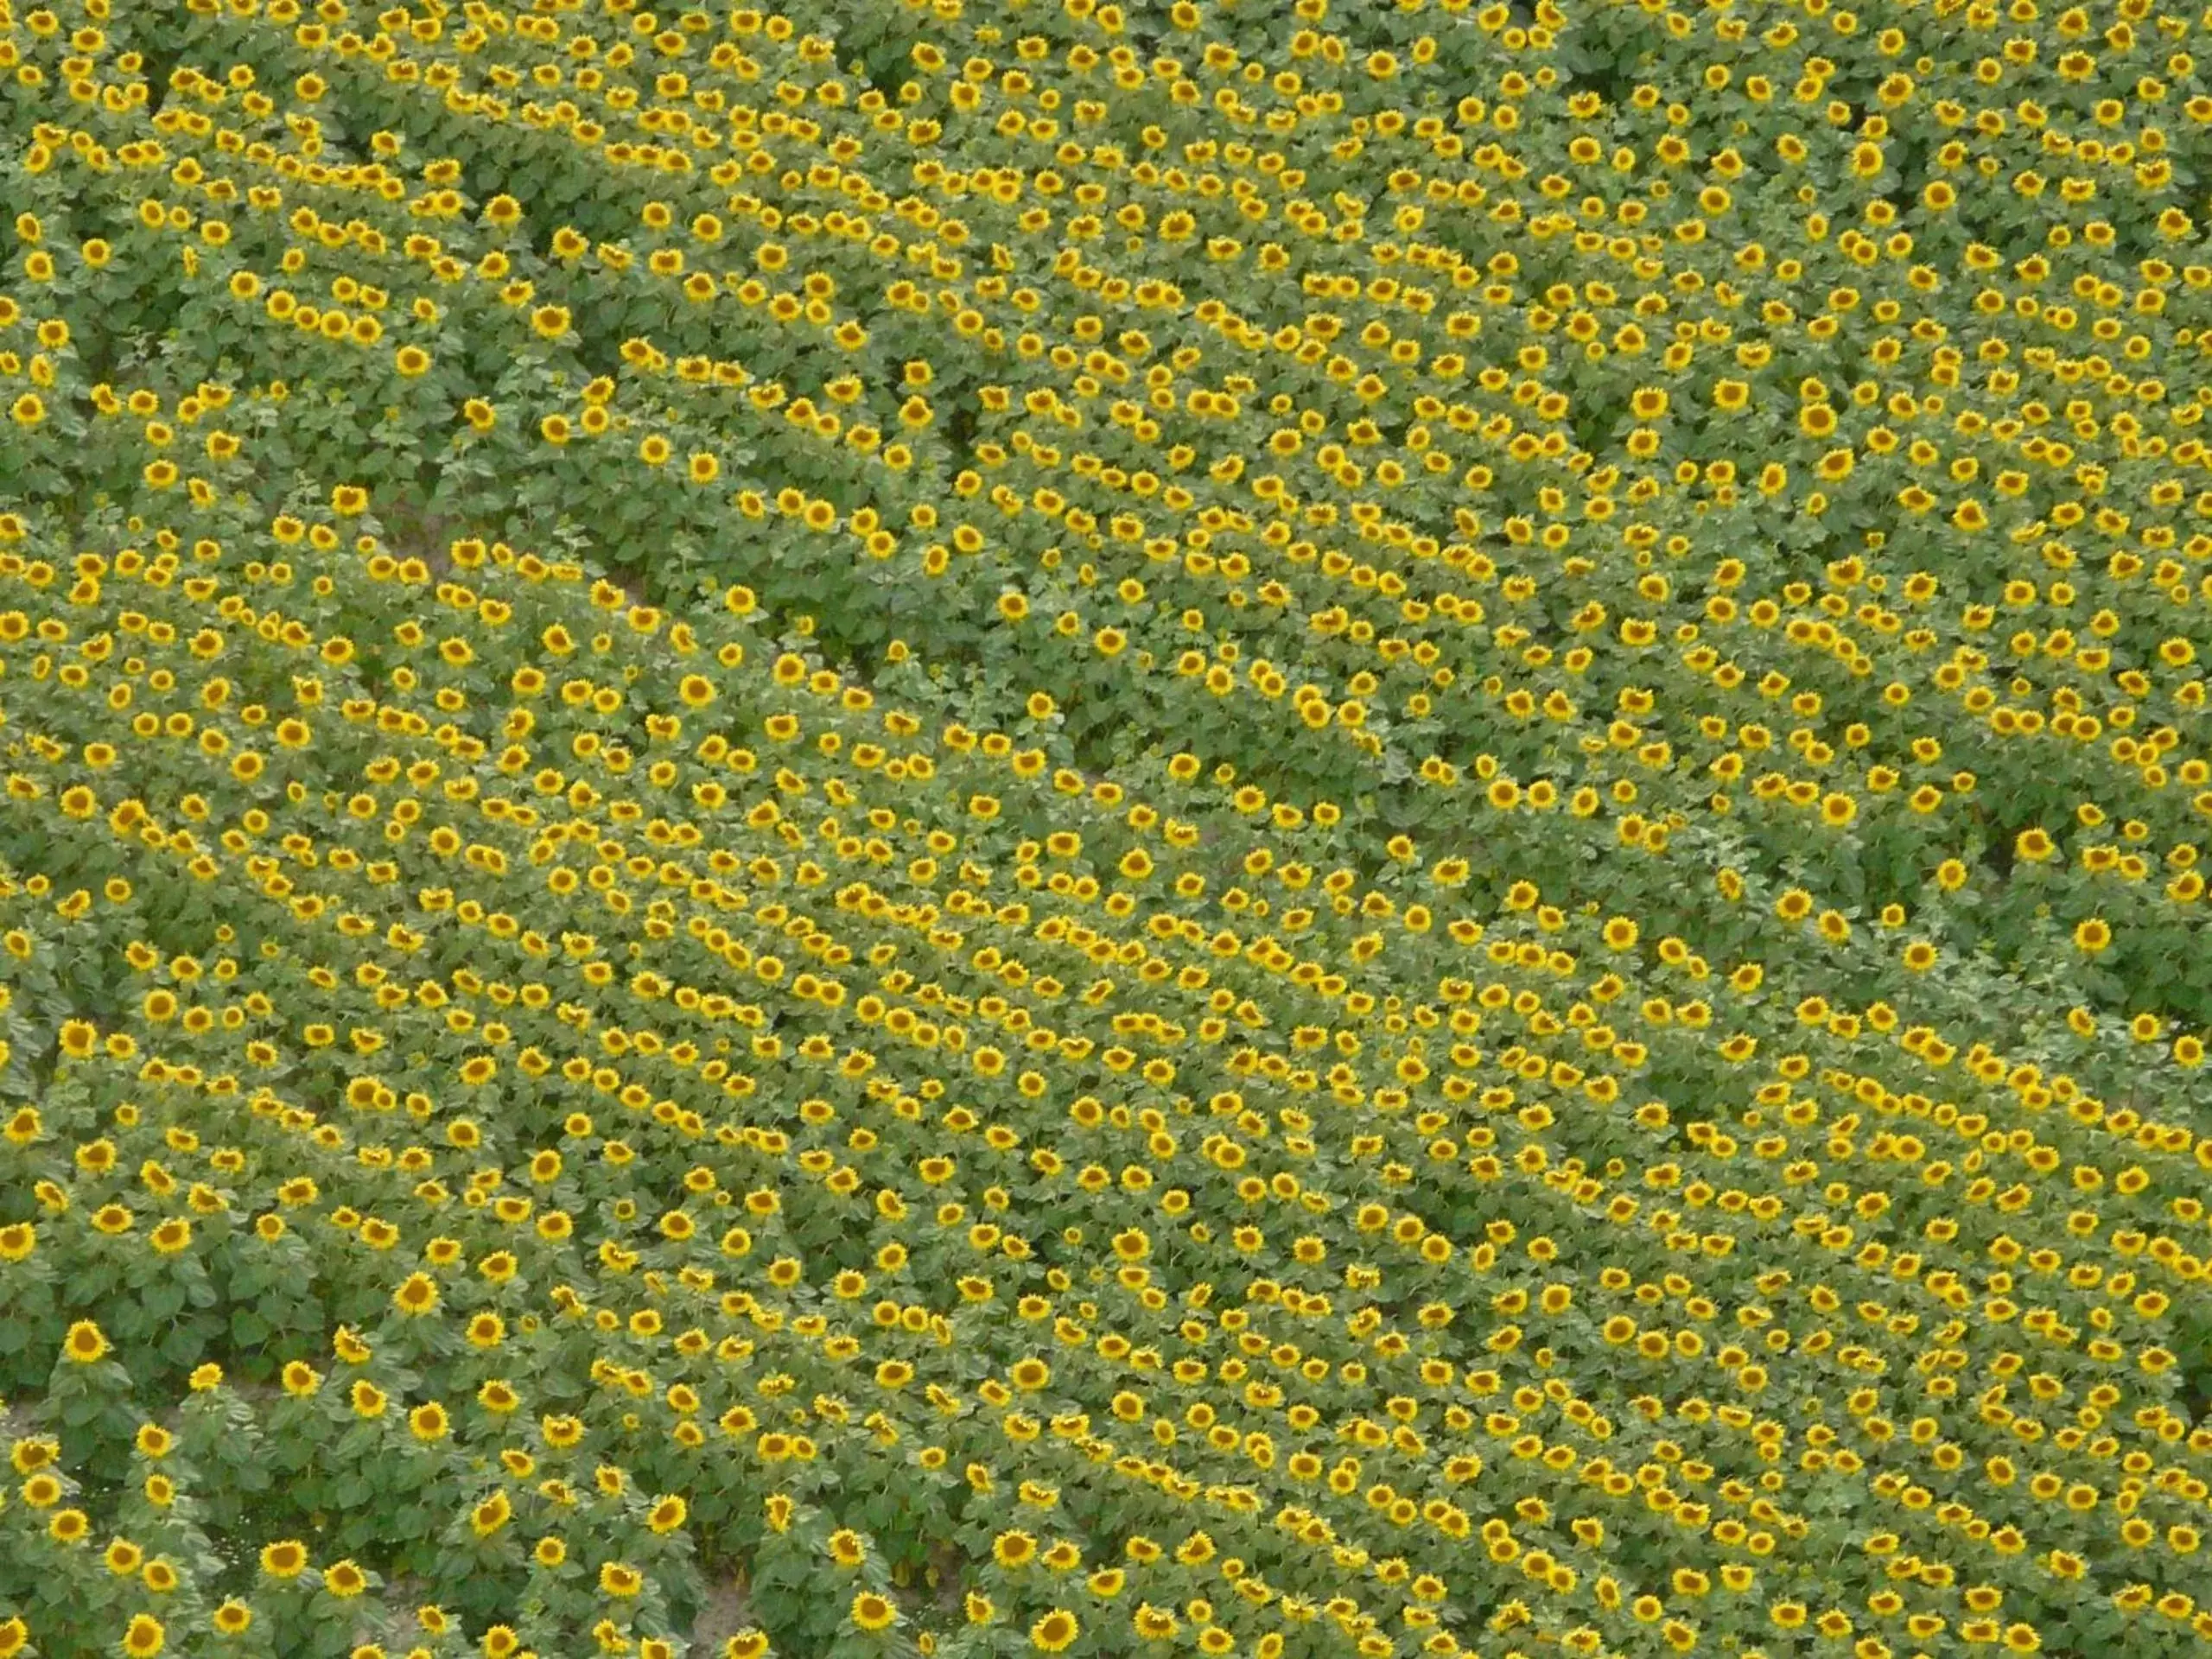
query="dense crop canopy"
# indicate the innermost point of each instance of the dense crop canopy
(1259, 828)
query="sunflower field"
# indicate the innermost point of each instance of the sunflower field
(1281, 828)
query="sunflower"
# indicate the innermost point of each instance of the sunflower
(69, 1526)
(171, 1237)
(490, 1515)
(233, 1617)
(1055, 1633)
(1155, 1624)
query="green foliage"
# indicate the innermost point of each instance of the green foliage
(983, 829)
